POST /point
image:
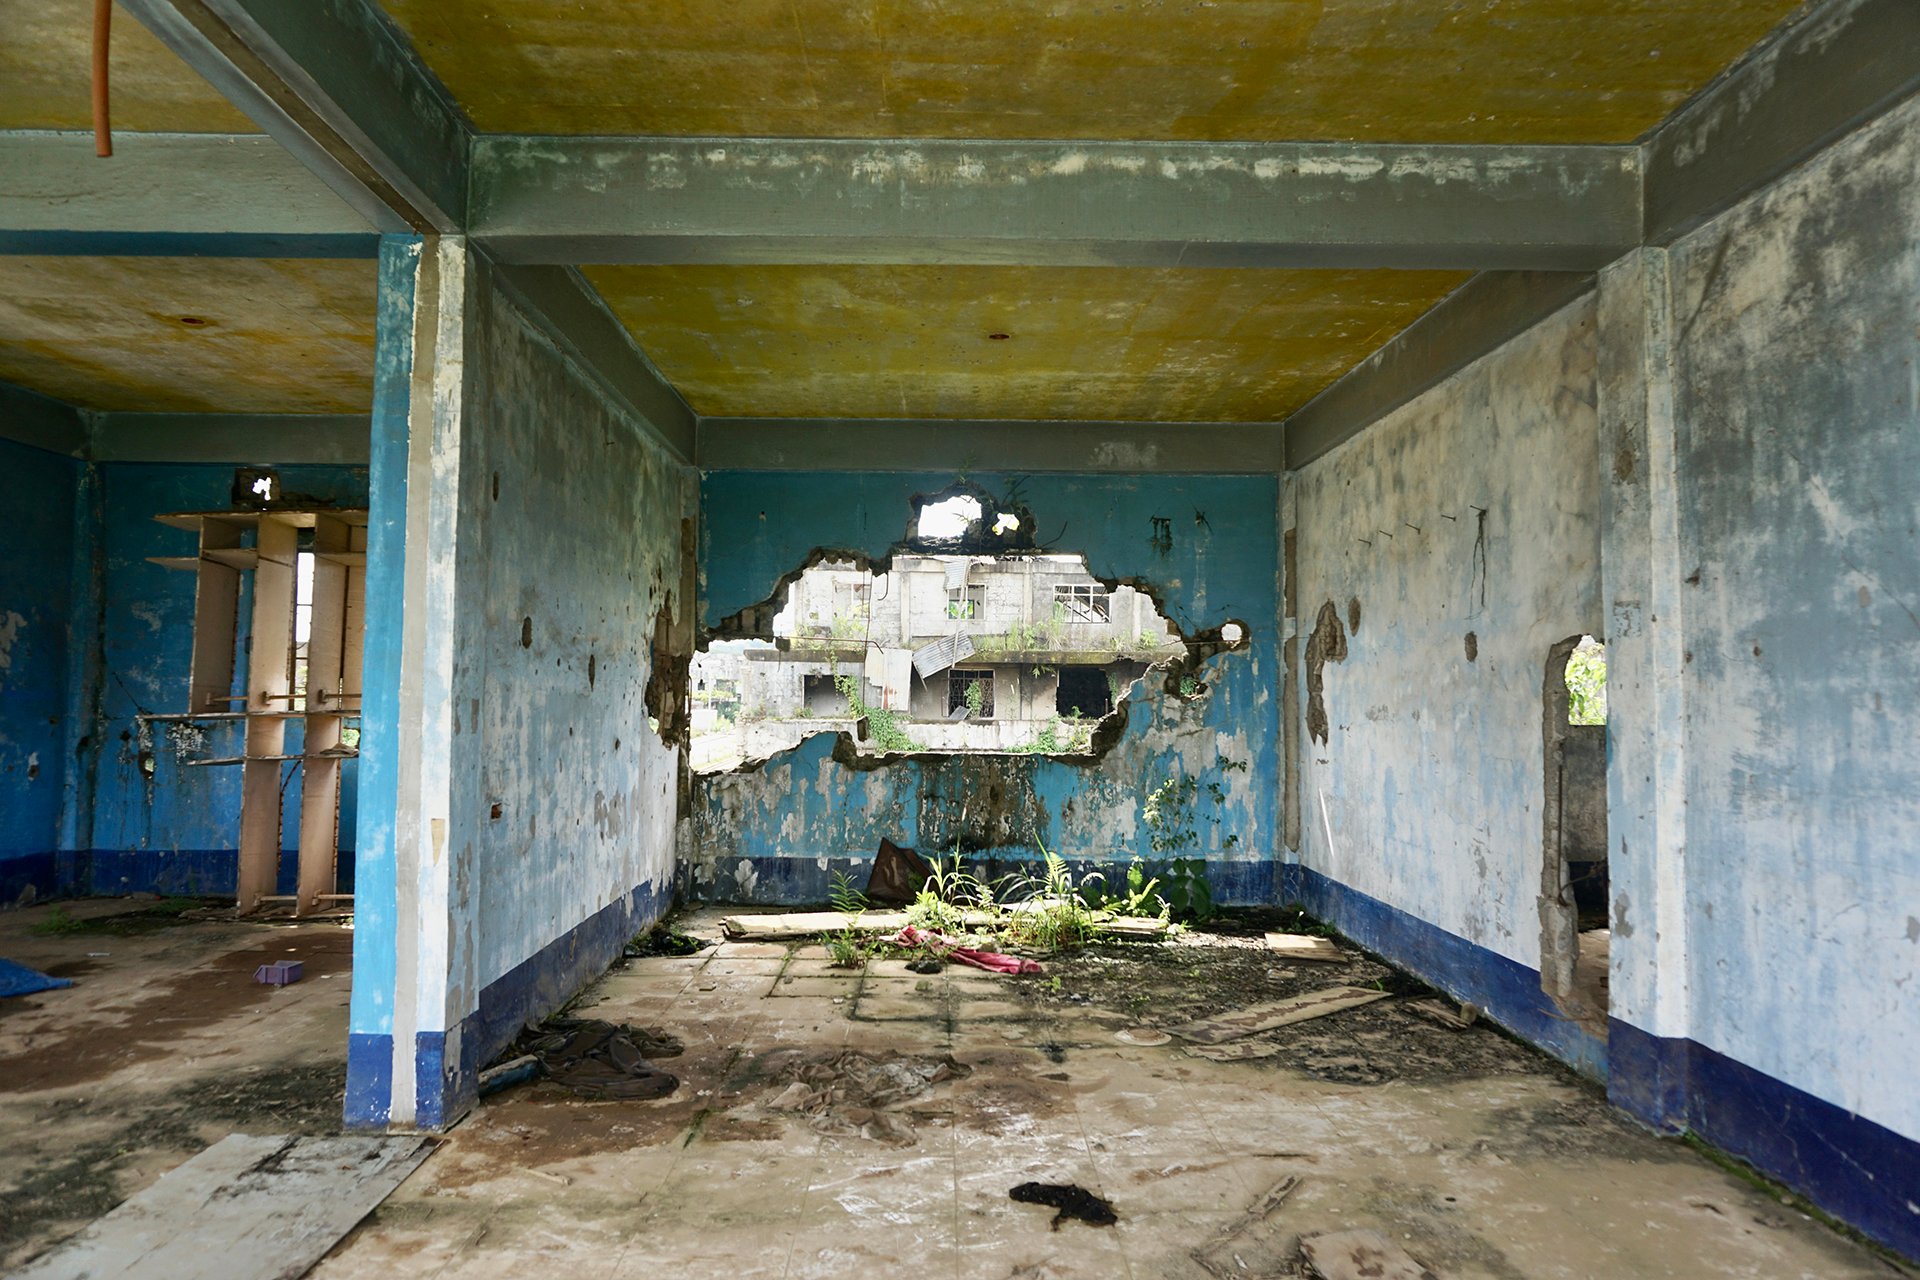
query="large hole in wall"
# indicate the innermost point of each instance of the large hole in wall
(969, 637)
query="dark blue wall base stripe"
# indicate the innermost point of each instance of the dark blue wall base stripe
(190, 873)
(1862, 1173)
(369, 1080)
(446, 1084)
(1508, 991)
(795, 881)
(37, 871)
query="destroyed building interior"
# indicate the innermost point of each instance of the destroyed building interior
(1145, 639)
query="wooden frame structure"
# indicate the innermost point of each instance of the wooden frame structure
(266, 544)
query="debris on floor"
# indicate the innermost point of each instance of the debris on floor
(662, 941)
(1239, 1252)
(898, 875)
(246, 1208)
(1305, 946)
(1360, 1255)
(1447, 1015)
(1069, 1200)
(280, 973)
(1280, 1013)
(604, 1061)
(1141, 1037)
(850, 1092)
(951, 949)
(18, 980)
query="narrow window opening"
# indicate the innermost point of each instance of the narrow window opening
(302, 627)
(1575, 892)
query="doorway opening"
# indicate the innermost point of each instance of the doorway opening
(1574, 928)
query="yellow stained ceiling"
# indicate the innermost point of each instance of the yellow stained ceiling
(273, 335)
(1484, 71)
(1082, 342)
(45, 75)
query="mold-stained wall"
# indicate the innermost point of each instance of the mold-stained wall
(1462, 532)
(1795, 365)
(572, 524)
(1206, 547)
(37, 492)
(156, 823)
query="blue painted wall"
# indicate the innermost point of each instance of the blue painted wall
(175, 830)
(37, 492)
(774, 833)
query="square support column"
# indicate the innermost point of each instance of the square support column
(408, 1064)
(1643, 588)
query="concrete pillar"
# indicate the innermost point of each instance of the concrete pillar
(413, 983)
(1646, 690)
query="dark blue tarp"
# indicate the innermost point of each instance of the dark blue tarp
(18, 980)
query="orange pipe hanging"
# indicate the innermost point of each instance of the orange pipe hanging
(102, 130)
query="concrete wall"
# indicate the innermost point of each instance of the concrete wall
(1762, 410)
(584, 539)
(526, 581)
(37, 491)
(1465, 528)
(773, 832)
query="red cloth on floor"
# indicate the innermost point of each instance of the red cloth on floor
(991, 961)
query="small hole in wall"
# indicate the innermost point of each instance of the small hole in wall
(496, 486)
(494, 812)
(1353, 615)
(593, 667)
(526, 633)
(616, 744)
(1233, 635)
(1473, 646)
(998, 337)
(195, 322)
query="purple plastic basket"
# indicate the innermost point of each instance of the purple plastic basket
(279, 973)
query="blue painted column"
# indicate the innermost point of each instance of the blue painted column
(370, 1022)
(406, 1065)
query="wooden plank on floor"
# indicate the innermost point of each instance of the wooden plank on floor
(1265, 1017)
(1304, 946)
(1360, 1255)
(246, 1208)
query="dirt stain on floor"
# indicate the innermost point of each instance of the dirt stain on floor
(95, 1047)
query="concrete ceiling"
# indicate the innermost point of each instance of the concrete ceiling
(1083, 343)
(46, 75)
(1482, 71)
(190, 334)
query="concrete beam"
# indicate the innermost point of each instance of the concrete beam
(1843, 63)
(683, 200)
(173, 194)
(259, 439)
(1471, 321)
(571, 313)
(337, 84)
(29, 418)
(826, 444)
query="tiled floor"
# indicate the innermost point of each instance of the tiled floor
(1519, 1172)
